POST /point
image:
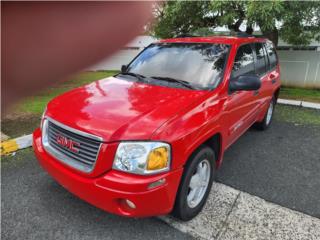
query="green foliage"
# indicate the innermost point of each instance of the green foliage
(301, 22)
(228, 12)
(265, 14)
(297, 22)
(177, 18)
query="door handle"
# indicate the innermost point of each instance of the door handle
(272, 76)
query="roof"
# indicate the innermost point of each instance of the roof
(214, 39)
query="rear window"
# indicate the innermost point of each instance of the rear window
(272, 55)
(244, 61)
(261, 63)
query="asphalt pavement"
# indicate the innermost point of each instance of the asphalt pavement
(280, 165)
(34, 206)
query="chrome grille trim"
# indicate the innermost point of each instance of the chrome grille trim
(76, 131)
(89, 145)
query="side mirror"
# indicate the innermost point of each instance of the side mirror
(124, 68)
(247, 82)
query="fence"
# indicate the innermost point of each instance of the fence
(300, 68)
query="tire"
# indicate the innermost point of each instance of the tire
(187, 208)
(267, 118)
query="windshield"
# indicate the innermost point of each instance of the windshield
(200, 64)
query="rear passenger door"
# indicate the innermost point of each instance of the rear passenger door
(261, 69)
(272, 80)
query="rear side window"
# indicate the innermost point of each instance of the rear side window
(244, 61)
(261, 63)
(272, 55)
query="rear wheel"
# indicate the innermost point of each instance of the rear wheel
(268, 117)
(195, 184)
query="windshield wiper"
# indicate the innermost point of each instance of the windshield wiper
(181, 82)
(136, 75)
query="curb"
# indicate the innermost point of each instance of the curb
(233, 214)
(16, 144)
(299, 103)
(13, 145)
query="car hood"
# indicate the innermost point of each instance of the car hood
(117, 109)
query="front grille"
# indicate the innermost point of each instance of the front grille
(84, 151)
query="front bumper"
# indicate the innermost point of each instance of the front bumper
(109, 190)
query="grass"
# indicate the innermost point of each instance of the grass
(297, 115)
(37, 103)
(309, 95)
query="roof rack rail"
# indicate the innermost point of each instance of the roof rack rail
(185, 36)
(234, 34)
(243, 34)
(240, 34)
(258, 36)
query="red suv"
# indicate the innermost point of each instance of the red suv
(148, 141)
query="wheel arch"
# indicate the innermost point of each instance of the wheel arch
(276, 93)
(215, 143)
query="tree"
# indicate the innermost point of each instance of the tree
(295, 22)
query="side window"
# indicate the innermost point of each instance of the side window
(243, 63)
(272, 55)
(261, 64)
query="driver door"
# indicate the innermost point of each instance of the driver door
(241, 107)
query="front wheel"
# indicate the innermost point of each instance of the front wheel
(268, 117)
(195, 184)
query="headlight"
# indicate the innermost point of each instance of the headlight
(142, 157)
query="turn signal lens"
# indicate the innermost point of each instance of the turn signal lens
(157, 183)
(158, 159)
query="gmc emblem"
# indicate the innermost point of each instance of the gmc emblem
(67, 143)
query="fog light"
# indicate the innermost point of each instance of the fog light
(130, 204)
(157, 183)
